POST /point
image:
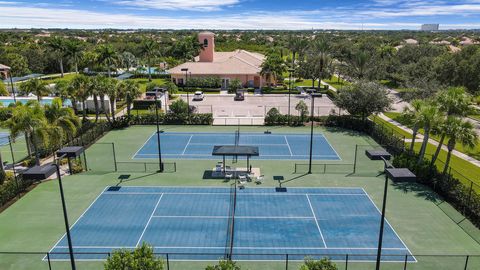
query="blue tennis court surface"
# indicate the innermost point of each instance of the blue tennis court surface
(271, 146)
(192, 224)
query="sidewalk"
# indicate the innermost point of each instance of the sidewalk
(419, 138)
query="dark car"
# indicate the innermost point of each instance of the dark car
(239, 96)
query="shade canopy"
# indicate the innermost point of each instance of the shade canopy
(71, 151)
(400, 175)
(378, 154)
(235, 150)
(39, 172)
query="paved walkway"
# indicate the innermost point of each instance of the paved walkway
(419, 138)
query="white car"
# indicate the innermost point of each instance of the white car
(198, 95)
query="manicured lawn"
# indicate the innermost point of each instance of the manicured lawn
(35, 222)
(337, 82)
(67, 78)
(144, 81)
(475, 116)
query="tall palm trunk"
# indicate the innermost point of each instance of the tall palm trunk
(102, 106)
(450, 146)
(84, 111)
(149, 73)
(76, 66)
(35, 148)
(61, 66)
(95, 103)
(112, 108)
(129, 104)
(423, 149)
(414, 136)
(2, 170)
(437, 152)
(27, 141)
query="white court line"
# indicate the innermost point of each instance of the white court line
(266, 248)
(289, 149)
(185, 149)
(333, 148)
(143, 145)
(236, 217)
(398, 236)
(150, 219)
(206, 155)
(316, 221)
(71, 227)
(242, 194)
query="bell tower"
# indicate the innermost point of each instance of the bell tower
(207, 39)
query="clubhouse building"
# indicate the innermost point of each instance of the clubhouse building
(240, 64)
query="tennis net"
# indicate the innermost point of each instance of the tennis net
(231, 222)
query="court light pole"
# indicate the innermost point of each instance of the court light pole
(382, 224)
(188, 98)
(65, 215)
(160, 163)
(290, 70)
(313, 95)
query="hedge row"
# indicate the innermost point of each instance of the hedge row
(164, 119)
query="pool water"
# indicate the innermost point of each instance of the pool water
(7, 101)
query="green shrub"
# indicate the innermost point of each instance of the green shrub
(224, 265)
(142, 258)
(323, 264)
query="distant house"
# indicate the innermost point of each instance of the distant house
(240, 64)
(4, 71)
(411, 41)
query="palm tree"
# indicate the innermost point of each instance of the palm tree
(61, 90)
(149, 50)
(453, 101)
(130, 91)
(296, 45)
(358, 63)
(430, 116)
(413, 114)
(59, 46)
(106, 86)
(63, 120)
(112, 90)
(36, 87)
(73, 51)
(459, 131)
(28, 119)
(320, 49)
(272, 67)
(107, 56)
(81, 85)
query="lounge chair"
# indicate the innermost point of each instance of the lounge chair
(259, 179)
(228, 176)
(242, 178)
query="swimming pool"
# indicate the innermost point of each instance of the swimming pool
(46, 100)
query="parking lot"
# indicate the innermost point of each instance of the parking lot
(252, 110)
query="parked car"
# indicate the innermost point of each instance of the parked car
(198, 96)
(239, 96)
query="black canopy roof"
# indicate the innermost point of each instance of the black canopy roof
(39, 172)
(400, 175)
(70, 151)
(235, 150)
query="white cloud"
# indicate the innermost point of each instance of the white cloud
(198, 5)
(23, 16)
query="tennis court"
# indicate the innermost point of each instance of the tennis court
(194, 223)
(177, 145)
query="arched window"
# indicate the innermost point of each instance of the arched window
(205, 43)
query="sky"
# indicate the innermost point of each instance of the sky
(240, 14)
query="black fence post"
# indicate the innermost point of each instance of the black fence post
(168, 263)
(466, 262)
(355, 159)
(48, 260)
(114, 156)
(405, 262)
(346, 261)
(286, 261)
